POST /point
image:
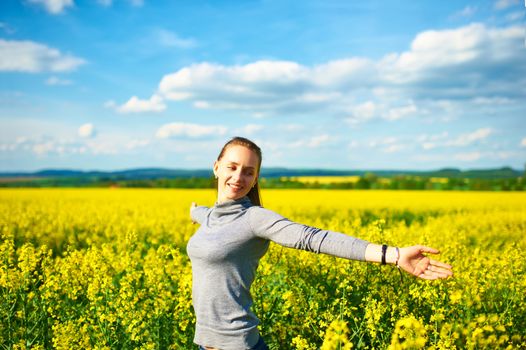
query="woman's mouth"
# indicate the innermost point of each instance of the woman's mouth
(234, 187)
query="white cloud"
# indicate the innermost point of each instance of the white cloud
(452, 59)
(394, 148)
(108, 3)
(468, 157)
(504, 4)
(250, 129)
(20, 143)
(54, 81)
(189, 130)
(105, 3)
(468, 138)
(369, 110)
(389, 140)
(401, 112)
(504, 154)
(388, 144)
(201, 105)
(7, 28)
(353, 144)
(362, 112)
(110, 104)
(491, 101)
(171, 39)
(473, 64)
(51, 145)
(310, 142)
(291, 127)
(44, 146)
(435, 137)
(32, 57)
(262, 86)
(53, 6)
(137, 143)
(523, 142)
(135, 105)
(136, 3)
(318, 140)
(428, 142)
(106, 147)
(428, 145)
(467, 11)
(443, 139)
(86, 130)
(515, 16)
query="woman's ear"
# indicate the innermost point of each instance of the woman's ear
(216, 167)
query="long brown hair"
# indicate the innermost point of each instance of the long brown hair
(253, 194)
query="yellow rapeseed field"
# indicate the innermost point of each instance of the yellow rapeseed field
(107, 269)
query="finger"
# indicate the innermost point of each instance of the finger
(433, 275)
(425, 249)
(420, 269)
(438, 272)
(440, 264)
(441, 269)
(442, 273)
(428, 275)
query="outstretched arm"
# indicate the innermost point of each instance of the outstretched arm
(272, 226)
(412, 260)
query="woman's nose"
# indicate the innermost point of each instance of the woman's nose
(236, 175)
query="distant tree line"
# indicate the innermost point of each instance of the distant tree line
(368, 181)
(372, 182)
(194, 182)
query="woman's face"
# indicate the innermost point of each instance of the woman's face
(236, 173)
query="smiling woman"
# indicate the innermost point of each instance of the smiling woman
(237, 171)
(235, 234)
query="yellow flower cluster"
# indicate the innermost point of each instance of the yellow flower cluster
(107, 269)
(409, 333)
(337, 337)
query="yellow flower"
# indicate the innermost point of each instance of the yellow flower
(409, 333)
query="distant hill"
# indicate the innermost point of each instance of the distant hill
(159, 173)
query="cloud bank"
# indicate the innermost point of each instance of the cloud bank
(32, 57)
(173, 130)
(86, 130)
(136, 105)
(53, 6)
(470, 64)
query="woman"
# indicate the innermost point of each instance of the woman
(235, 234)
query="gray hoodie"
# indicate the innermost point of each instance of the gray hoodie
(225, 252)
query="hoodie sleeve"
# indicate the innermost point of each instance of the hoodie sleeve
(198, 213)
(272, 226)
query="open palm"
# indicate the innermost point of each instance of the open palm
(413, 261)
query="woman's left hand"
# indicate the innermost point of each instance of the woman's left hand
(413, 261)
(192, 206)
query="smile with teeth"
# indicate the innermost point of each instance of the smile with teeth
(235, 187)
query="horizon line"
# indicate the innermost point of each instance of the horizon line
(263, 167)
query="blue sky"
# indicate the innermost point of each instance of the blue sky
(110, 85)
